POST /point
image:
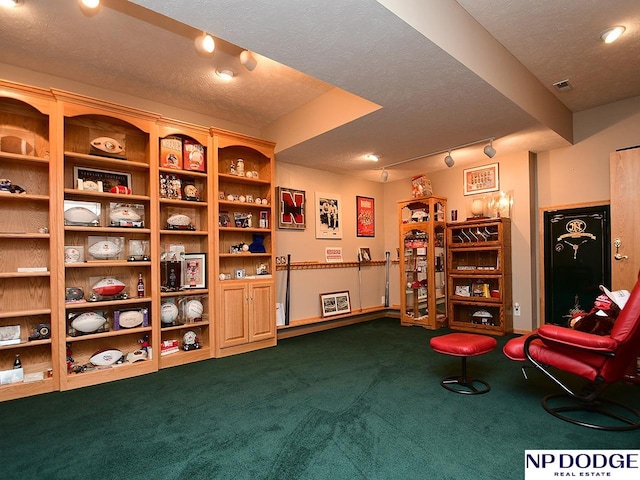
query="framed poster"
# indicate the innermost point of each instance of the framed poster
(481, 179)
(335, 303)
(328, 215)
(92, 179)
(291, 208)
(365, 217)
(195, 267)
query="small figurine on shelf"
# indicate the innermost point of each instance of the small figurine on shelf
(17, 363)
(144, 343)
(232, 169)
(240, 167)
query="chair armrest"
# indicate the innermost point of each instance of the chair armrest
(575, 338)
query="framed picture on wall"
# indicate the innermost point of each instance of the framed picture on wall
(365, 217)
(291, 208)
(328, 215)
(481, 179)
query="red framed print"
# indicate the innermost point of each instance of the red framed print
(365, 216)
(291, 208)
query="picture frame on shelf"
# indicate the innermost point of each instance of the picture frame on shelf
(328, 215)
(292, 206)
(107, 181)
(481, 179)
(194, 270)
(194, 156)
(364, 255)
(73, 254)
(335, 303)
(365, 216)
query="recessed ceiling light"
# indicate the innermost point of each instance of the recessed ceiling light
(90, 3)
(371, 157)
(10, 3)
(610, 35)
(225, 73)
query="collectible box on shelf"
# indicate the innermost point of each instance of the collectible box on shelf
(171, 153)
(194, 156)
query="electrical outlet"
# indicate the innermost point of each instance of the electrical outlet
(516, 309)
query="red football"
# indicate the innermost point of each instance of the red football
(108, 287)
(120, 189)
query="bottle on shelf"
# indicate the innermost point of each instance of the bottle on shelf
(140, 286)
(17, 363)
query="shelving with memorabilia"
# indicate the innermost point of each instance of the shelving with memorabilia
(422, 261)
(244, 243)
(479, 259)
(184, 161)
(27, 241)
(107, 321)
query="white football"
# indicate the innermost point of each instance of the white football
(124, 214)
(193, 310)
(107, 145)
(79, 216)
(88, 322)
(168, 312)
(130, 318)
(179, 220)
(108, 287)
(104, 249)
(106, 357)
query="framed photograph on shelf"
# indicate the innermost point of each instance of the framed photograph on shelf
(335, 303)
(365, 216)
(91, 179)
(328, 215)
(481, 179)
(194, 270)
(291, 208)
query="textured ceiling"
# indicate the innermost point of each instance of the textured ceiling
(424, 90)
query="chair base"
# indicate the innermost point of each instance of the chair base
(465, 385)
(623, 416)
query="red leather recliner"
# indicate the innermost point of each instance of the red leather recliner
(602, 360)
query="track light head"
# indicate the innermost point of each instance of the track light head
(489, 151)
(205, 44)
(384, 176)
(248, 60)
(448, 160)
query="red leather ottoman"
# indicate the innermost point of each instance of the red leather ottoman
(464, 345)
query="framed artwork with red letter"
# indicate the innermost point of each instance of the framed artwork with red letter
(291, 208)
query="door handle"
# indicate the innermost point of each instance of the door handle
(618, 256)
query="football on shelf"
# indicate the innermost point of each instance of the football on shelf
(80, 216)
(107, 145)
(88, 322)
(179, 220)
(120, 189)
(13, 144)
(124, 213)
(108, 287)
(131, 318)
(105, 357)
(104, 249)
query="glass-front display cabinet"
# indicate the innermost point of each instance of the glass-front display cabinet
(422, 261)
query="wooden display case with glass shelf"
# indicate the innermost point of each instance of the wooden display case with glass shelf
(185, 225)
(107, 151)
(27, 241)
(244, 244)
(422, 261)
(479, 278)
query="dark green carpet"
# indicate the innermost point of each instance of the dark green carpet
(360, 402)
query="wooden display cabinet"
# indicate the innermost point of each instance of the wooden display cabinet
(100, 181)
(422, 261)
(244, 244)
(27, 240)
(191, 197)
(479, 259)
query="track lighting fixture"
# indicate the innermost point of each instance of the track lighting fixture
(248, 60)
(384, 176)
(448, 160)
(205, 44)
(489, 151)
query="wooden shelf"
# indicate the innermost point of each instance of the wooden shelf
(25, 313)
(110, 333)
(122, 197)
(18, 158)
(101, 161)
(24, 274)
(105, 303)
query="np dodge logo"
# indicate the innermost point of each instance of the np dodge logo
(610, 464)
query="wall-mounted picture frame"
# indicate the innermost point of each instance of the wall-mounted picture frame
(328, 216)
(335, 303)
(92, 179)
(292, 206)
(481, 179)
(364, 254)
(194, 271)
(365, 216)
